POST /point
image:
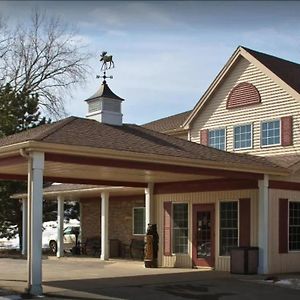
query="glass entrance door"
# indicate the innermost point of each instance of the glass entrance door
(203, 235)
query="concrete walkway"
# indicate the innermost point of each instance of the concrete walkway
(90, 278)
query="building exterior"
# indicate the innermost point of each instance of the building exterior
(251, 107)
(233, 182)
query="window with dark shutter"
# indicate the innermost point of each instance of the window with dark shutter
(270, 133)
(283, 225)
(204, 137)
(167, 228)
(287, 131)
(180, 228)
(294, 226)
(228, 227)
(245, 222)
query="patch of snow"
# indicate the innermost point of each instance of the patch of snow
(284, 282)
(49, 232)
(290, 282)
(9, 244)
(11, 297)
(293, 283)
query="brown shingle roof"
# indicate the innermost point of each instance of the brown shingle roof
(169, 123)
(284, 161)
(68, 187)
(286, 70)
(128, 137)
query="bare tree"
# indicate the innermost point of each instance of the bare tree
(4, 39)
(44, 57)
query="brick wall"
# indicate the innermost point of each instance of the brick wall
(120, 217)
(90, 218)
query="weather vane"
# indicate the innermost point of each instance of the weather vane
(107, 64)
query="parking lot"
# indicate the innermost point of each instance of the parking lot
(90, 278)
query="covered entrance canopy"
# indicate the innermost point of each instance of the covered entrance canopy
(77, 150)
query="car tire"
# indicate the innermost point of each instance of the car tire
(53, 247)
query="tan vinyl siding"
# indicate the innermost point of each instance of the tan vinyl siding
(275, 103)
(221, 263)
(280, 262)
(181, 135)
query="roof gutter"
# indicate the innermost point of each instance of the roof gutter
(80, 191)
(142, 157)
(30, 146)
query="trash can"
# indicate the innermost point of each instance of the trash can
(114, 248)
(244, 260)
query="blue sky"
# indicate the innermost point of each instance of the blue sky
(168, 52)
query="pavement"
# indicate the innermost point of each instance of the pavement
(89, 278)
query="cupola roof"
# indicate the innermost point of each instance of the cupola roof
(104, 92)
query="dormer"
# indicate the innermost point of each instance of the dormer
(105, 106)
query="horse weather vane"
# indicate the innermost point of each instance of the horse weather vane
(107, 64)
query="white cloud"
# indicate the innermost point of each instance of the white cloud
(167, 53)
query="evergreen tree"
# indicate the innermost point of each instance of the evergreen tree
(18, 112)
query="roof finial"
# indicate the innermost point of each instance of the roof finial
(107, 64)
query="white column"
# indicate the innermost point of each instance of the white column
(263, 225)
(149, 205)
(80, 217)
(35, 175)
(60, 226)
(104, 226)
(29, 205)
(24, 226)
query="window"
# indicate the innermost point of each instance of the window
(228, 226)
(216, 139)
(139, 220)
(294, 226)
(243, 136)
(180, 228)
(270, 133)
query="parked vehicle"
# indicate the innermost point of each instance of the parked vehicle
(71, 236)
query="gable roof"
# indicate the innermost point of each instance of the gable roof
(74, 131)
(169, 123)
(288, 71)
(284, 73)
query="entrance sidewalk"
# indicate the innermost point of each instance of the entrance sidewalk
(89, 278)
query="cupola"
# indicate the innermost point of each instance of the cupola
(105, 106)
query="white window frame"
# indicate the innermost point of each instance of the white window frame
(172, 228)
(245, 148)
(261, 137)
(225, 137)
(219, 222)
(288, 229)
(133, 209)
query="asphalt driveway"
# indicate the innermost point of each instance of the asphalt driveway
(75, 278)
